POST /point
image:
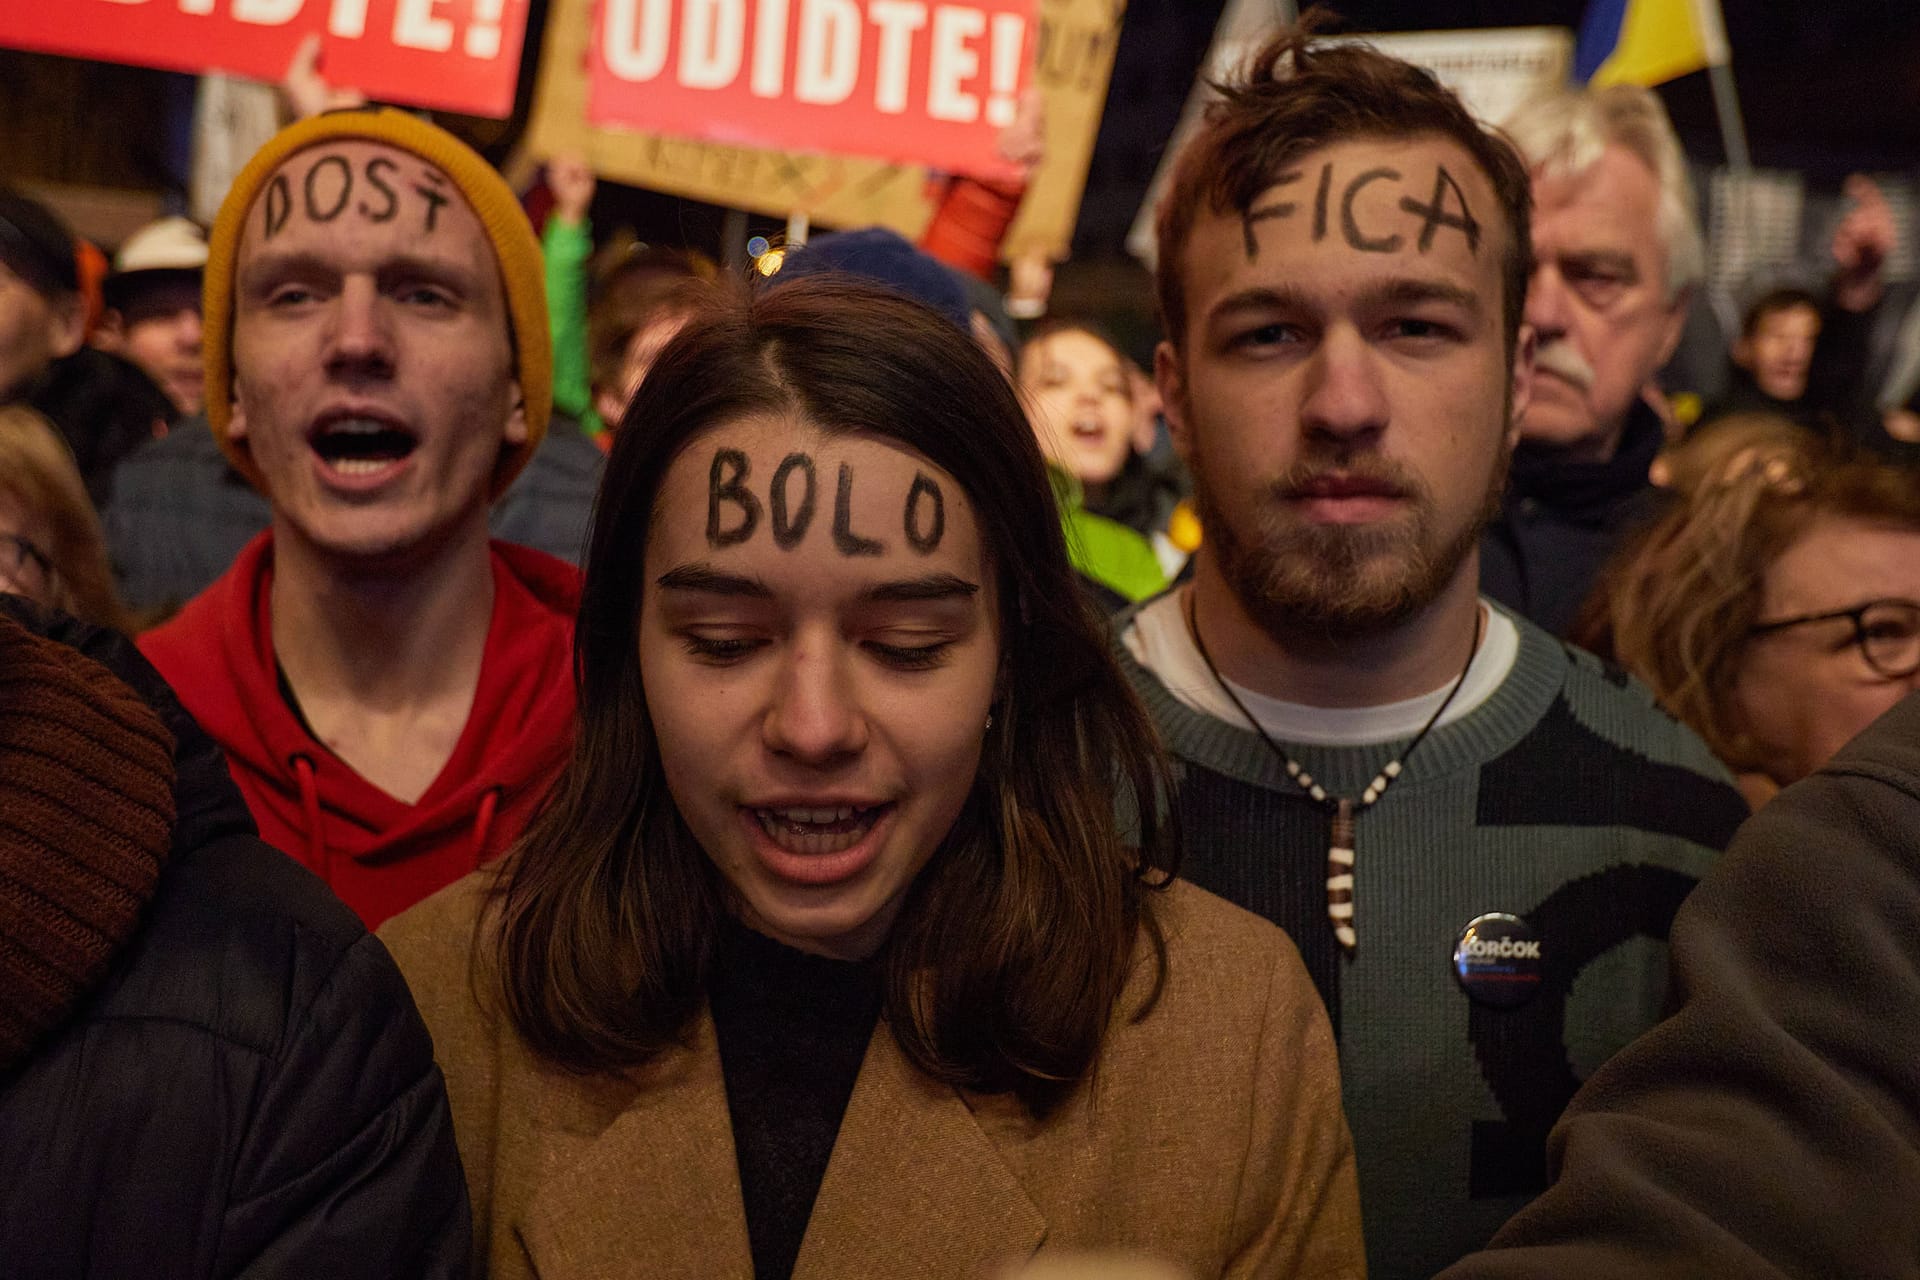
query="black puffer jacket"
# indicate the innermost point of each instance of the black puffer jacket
(249, 1092)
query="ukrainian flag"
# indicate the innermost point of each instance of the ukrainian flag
(1648, 41)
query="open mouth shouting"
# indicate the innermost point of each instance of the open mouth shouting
(817, 844)
(1088, 429)
(360, 449)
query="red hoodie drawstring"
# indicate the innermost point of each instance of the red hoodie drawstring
(483, 824)
(317, 856)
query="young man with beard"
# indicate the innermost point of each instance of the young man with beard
(392, 688)
(1374, 757)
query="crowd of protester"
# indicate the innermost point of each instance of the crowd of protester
(850, 784)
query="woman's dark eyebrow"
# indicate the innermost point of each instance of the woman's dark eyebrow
(934, 586)
(699, 577)
(710, 581)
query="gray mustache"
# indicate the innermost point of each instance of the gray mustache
(1559, 358)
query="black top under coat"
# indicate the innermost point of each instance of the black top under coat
(793, 1029)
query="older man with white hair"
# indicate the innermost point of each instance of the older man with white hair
(1617, 259)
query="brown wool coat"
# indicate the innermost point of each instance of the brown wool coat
(1211, 1135)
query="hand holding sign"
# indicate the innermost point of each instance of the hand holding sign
(1024, 142)
(307, 92)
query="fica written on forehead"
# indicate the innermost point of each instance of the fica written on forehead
(1427, 206)
(378, 188)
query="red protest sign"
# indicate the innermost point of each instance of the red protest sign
(455, 55)
(918, 81)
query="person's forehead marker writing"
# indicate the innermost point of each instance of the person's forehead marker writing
(734, 509)
(376, 189)
(1446, 207)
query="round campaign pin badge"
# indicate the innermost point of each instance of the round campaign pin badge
(1498, 960)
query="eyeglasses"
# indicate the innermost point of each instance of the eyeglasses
(1887, 633)
(21, 562)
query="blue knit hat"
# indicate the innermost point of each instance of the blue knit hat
(883, 256)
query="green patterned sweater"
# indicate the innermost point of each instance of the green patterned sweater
(1568, 799)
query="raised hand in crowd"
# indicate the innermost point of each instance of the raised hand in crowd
(305, 89)
(1024, 142)
(572, 182)
(1862, 243)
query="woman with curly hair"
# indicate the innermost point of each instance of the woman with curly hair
(1776, 607)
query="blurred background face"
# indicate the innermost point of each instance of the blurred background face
(1802, 693)
(34, 332)
(1597, 302)
(643, 348)
(162, 336)
(25, 569)
(1779, 354)
(1081, 400)
(819, 645)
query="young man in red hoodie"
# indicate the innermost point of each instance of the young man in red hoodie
(392, 689)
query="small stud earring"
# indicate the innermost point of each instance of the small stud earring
(989, 719)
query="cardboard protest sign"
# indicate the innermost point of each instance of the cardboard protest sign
(454, 55)
(1071, 56)
(1494, 71)
(927, 81)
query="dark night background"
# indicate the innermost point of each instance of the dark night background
(1825, 89)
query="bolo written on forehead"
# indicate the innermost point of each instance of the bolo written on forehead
(780, 526)
(768, 493)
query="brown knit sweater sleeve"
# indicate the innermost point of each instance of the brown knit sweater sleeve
(86, 811)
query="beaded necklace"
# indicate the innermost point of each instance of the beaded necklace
(1341, 810)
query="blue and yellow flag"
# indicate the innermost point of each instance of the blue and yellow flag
(1647, 41)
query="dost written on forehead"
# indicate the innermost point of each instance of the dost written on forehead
(378, 190)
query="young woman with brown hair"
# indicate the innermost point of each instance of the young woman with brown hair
(829, 956)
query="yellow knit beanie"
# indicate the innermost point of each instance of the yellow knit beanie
(514, 244)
